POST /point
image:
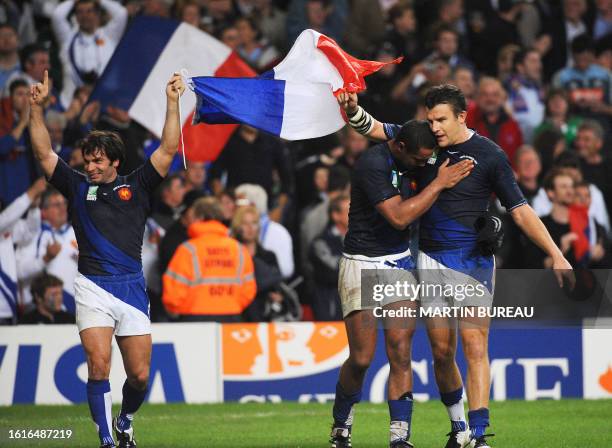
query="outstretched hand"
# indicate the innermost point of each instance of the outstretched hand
(175, 87)
(39, 92)
(348, 102)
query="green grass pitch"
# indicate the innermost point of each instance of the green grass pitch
(540, 424)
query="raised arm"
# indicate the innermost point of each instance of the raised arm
(162, 157)
(360, 120)
(60, 23)
(401, 213)
(41, 142)
(118, 18)
(536, 231)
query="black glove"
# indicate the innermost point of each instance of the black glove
(490, 234)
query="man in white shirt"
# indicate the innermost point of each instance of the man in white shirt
(14, 230)
(53, 250)
(87, 47)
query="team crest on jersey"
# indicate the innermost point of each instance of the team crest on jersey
(124, 193)
(92, 193)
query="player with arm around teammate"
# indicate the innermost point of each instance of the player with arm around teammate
(108, 213)
(450, 251)
(382, 208)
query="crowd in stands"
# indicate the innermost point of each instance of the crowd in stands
(266, 220)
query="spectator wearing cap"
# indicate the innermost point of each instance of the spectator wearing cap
(211, 275)
(86, 48)
(47, 292)
(9, 56)
(177, 232)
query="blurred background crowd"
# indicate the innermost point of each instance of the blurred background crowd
(537, 76)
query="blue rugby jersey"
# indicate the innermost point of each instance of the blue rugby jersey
(108, 219)
(449, 223)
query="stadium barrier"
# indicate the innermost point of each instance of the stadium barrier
(259, 362)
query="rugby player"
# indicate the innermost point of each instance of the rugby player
(108, 213)
(449, 251)
(382, 208)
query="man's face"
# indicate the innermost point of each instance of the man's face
(195, 174)
(228, 207)
(490, 98)
(583, 60)
(37, 64)
(418, 159)
(532, 66)
(246, 33)
(249, 228)
(87, 17)
(587, 143)
(464, 79)
(406, 23)
(56, 132)
(231, 38)
(557, 105)
(8, 41)
(53, 299)
(563, 192)
(316, 13)
(20, 98)
(528, 166)
(55, 211)
(447, 44)
(191, 15)
(99, 168)
(173, 195)
(445, 125)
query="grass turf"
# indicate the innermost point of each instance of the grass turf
(540, 424)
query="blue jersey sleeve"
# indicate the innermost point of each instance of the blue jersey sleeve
(391, 130)
(374, 176)
(504, 184)
(65, 179)
(148, 177)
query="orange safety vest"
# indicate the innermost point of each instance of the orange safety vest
(210, 274)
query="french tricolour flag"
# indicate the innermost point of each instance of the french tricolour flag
(149, 52)
(295, 100)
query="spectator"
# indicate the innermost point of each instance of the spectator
(528, 169)
(354, 145)
(249, 157)
(219, 14)
(171, 193)
(190, 13)
(463, 78)
(257, 53)
(195, 176)
(587, 83)
(229, 36)
(403, 35)
(595, 164)
(603, 51)
(446, 46)
(526, 92)
(450, 13)
(271, 22)
(550, 144)
(56, 124)
(52, 250)
(210, 277)
(603, 19)
(599, 243)
(365, 27)
(17, 169)
(505, 59)
(325, 16)
(16, 231)
(177, 232)
(227, 200)
(272, 235)
(558, 116)
(157, 8)
(325, 252)
(562, 30)
(87, 47)
(9, 56)
(34, 61)
(490, 119)
(317, 219)
(47, 293)
(269, 300)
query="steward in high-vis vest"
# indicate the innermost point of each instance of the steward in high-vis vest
(211, 276)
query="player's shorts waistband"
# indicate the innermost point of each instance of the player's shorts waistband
(391, 257)
(117, 278)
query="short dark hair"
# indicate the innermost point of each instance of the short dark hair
(335, 205)
(549, 180)
(416, 134)
(519, 56)
(107, 142)
(50, 191)
(19, 82)
(443, 28)
(339, 178)
(29, 51)
(97, 6)
(42, 282)
(594, 127)
(446, 94)
(397, 10)
(166, 184)
(582, 43)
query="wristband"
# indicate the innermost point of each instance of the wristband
(361, 121)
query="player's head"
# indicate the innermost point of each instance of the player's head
(47, 292)
(414, 143)
(88, 15)
(103, 152)
(446, 113)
